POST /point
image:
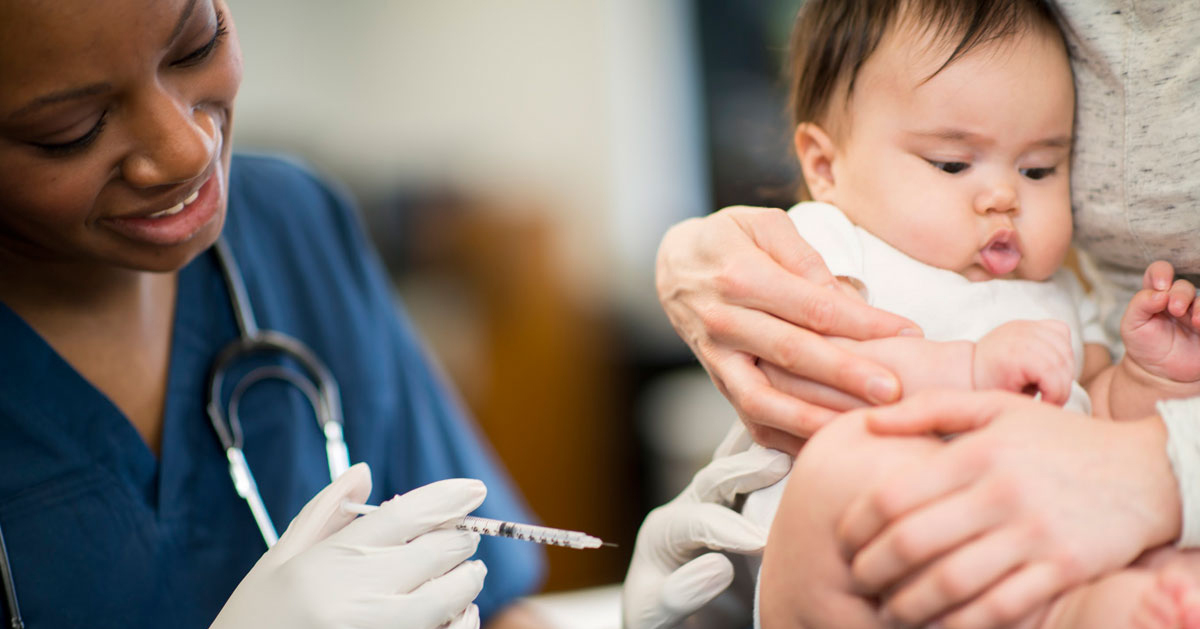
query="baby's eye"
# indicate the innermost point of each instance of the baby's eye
(950, 167)
(1037, 173)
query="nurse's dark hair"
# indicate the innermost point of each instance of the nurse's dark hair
(832, 39)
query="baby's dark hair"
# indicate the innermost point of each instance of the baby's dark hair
(832, 39)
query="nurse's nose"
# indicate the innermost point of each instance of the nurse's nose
(998, 195)
(174, 142)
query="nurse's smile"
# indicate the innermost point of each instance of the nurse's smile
(112, 113)
(180, 221)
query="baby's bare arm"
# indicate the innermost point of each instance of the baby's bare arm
(1161, 331)
(919, 363)
(1018, 356)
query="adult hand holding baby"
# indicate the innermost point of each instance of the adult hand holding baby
(997, 523)
(673, 573)
(741, 285)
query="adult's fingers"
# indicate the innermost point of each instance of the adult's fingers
(421, 510)
(469, 619)
(808, 390)
(763, 408)
(775, 233)
(1008, 601)
(923, 536)
(903, 492)
(696, 583)
(806, 354)
(956, 579)
(441, 599)
(686, 528)
(940, 411)
(404, 568)
(800, 287)
(323, 515)
(723, 479)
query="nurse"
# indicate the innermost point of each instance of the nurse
(116, 504)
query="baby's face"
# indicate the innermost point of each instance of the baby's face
(968, 171)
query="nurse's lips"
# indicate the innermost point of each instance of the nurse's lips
(176, 220)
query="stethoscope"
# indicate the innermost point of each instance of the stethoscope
(317, 384)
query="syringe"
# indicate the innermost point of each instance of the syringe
(500, 528)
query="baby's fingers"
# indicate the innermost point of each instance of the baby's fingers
(1158, 275)
(1182, 294)
(1145, 304)
(1055, 386)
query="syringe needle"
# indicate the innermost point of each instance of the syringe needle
(513, 530)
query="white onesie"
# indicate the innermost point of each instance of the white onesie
(946, 305)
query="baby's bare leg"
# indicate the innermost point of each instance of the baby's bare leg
(805, 582)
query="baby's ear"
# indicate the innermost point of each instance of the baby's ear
(816, 152)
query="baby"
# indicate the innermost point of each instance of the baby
(935, 142)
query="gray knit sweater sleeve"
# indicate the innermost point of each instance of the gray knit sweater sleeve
(1136, 179)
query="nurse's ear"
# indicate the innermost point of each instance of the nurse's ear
(817, 154)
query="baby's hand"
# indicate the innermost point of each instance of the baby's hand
(1027, 357)
(1161, 326)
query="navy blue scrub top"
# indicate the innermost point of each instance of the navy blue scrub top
(101, 533)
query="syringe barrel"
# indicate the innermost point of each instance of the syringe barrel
(528, 532)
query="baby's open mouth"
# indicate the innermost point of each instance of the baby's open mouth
(1001, 255)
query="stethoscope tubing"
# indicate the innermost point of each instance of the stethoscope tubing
(324, 397)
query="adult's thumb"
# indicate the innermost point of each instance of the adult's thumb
(323, 515)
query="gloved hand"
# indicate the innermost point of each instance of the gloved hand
(396, 567)
(667, 581)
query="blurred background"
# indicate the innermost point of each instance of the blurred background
(516, 164)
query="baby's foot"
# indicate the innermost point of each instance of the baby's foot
(1175, 602)
(1131, 599)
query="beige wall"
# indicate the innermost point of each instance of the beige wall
(587, 107)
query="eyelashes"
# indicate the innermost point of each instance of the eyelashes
(194, 58)
(200, 54)
(82, 142)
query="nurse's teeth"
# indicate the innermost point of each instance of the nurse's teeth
(177, 208)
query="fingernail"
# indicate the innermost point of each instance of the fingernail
(911, 332)
(881, 390)
(1160, 283)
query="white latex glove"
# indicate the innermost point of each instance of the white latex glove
(667, 581)
(396, 567)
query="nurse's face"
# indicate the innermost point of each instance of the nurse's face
(115, 123)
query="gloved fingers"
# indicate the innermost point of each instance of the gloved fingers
(440, 600)
(402, 569)
(723, 479)
(695, 583)
(679, 530)
(469, 619)
(323, 515)
(419, 511)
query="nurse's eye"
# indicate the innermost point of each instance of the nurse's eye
(949, 167)
(198, 55)
(1037, 173)
(78, 144)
